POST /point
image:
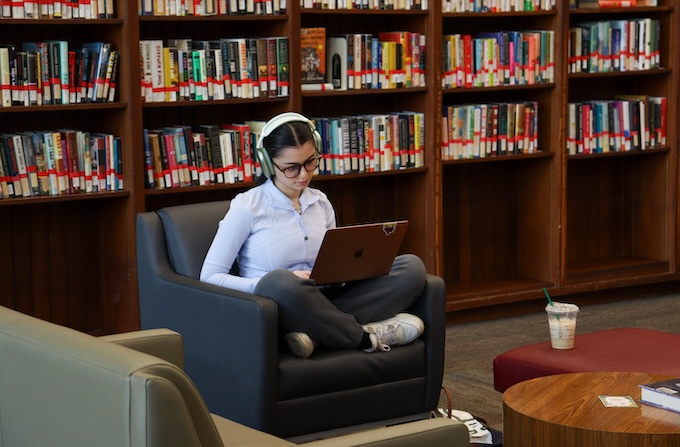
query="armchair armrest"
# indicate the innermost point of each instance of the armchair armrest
(431, 308)
(436, 432)
(230, 337)
(162, 343)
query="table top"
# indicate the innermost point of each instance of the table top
(573, 400)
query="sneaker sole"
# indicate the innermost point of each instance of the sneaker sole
(300, 345)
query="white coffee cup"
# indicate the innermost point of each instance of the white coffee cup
(562, 324)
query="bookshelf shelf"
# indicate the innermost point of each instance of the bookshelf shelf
(59, 108)
(57, 23)
(618, 154)
(396, 172)
(477, 90)
(364, 92)
(499, 158)
(90, 196)
(476, 294)
(364, 12)
(487, 15)
(317, 178)
(198, 189)
(215, 18)
(621, 11)
(615, 267)
(624, 74)
(211, 103)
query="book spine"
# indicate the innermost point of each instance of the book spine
(282, 68)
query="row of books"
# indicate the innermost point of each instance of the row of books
(179, 156)
(626, 123)
(487, 130)
(599, 4)
(397, 5)
(199, 8)
(65, 161)
(57, 9)
(393, 59)
(498, 58)
(614, 45)
(49, 72)
(202, 70)
(372, 143)
(497, 5)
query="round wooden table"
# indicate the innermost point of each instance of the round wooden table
(565, 410)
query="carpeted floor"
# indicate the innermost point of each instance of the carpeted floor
(471, 347)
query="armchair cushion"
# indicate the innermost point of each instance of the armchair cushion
(330, 368)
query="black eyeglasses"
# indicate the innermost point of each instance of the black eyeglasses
(294, 170)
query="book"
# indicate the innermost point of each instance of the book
(5, 80)
(99, 55)
(253, 66)
(158, 172)
(243, 146)
(664, 394)
(60, 76)
(262, 66)
(154, 70)
(272, 67)
(202, 160)
(69, 144)
(317, 87)
(282, 68)
(10, 166)
(313, 48)
(212, 144)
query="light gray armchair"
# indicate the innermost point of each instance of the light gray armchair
(233, 348)
(60, 387)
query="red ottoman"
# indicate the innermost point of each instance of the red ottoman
(615, 350)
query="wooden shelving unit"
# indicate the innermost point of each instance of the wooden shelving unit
(69, 258)
(620, 209)
(501, 213)
(498, 229)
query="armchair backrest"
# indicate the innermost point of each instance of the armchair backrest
(60, 387)
(189, 231)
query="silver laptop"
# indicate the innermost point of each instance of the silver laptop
(355, 252)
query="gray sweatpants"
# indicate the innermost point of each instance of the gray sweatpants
(334, 315)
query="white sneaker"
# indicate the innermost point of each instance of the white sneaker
(401, 329)
(300, 344)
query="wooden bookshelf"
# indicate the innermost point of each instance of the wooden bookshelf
(500, 213)
(497, 229)
(69, 258)
(621, 209)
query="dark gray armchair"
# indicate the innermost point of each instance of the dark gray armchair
(233, 348)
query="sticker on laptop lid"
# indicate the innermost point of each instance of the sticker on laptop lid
(389, 228)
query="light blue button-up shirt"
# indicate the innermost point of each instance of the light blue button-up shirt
(263, 232)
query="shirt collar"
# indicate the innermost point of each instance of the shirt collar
(280, 199)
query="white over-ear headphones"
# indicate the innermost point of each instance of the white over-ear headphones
(263, 156)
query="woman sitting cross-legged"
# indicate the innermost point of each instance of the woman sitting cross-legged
(274, 230)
